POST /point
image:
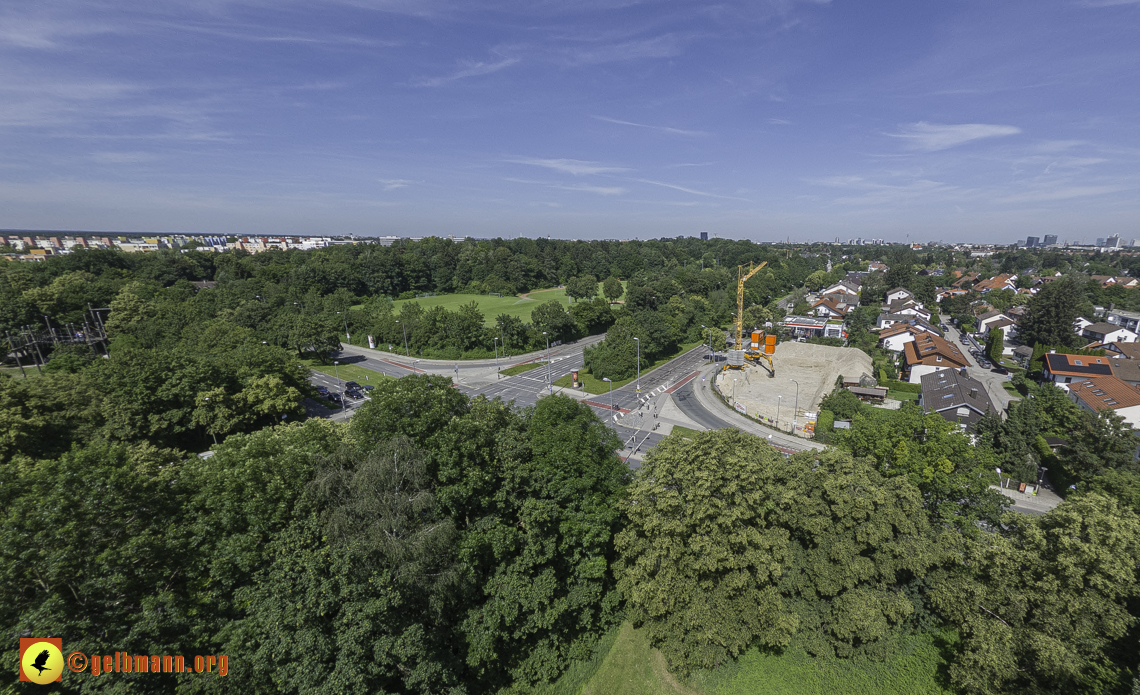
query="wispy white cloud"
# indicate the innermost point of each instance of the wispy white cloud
(1062, 193)
(665, 46)
(471, 69)
(779, 121)
(122, 157)
(875, 193)
(393, 184)
(930, 137)
(576, 167)
(691, 190)
(663, 129)
(600, 190)
(1109, 3)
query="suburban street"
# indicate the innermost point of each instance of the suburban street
(991, 380)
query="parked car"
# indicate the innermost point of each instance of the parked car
(334, 398)
(984, 364)
(351, 385)
(354, 393)
(368, 387)
(323, 391)
(1000, 370)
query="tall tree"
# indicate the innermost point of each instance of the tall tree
(1051, 314)
(1039, 608)
(612, 289)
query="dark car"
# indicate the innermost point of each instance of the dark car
(323, 391)
(368, 387)
(1000, 370)
(354, 393)
(334, 398)
(351, 385)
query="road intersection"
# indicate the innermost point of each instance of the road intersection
(668, 396)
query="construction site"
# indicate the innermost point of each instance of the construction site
(773, 400)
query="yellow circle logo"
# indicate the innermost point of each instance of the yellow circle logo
(42, 663)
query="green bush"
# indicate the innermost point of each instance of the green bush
(825, 422)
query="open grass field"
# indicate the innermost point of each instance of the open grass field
(347, 372)
(490, 306)
(493, 306)
(598, 387)
(632, 667)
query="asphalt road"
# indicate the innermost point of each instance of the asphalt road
(991, 380)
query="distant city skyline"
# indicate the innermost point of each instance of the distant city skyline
(962, 121)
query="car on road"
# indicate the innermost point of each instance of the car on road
(323, 391)
(984, 364)
(354, 393)
(351, 385)
(334, 398)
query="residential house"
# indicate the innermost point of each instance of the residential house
(898, 294)
(1065, 369)
(898, 335)
(1104, 280)
(908, 307)
(948, 293)
(813, 327)
(930, 353)
(1125, 319)
(836, 306)
(1125, 281)
(966, 280)
(844, 286)
(1108, 393)
(996, 319)
(1081, 324)
(1104, 332)
(956, 397)
(1005, 281)
(876, 266)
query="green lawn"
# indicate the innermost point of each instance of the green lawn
(598, 387)
(1008, 386)
(492, 307)
(629, 666)
(347, 372)
(520, 368)
(684, 432)
(902, 395)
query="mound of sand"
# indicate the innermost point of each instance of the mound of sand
(815, 367)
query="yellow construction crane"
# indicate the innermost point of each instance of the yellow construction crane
(765, 343)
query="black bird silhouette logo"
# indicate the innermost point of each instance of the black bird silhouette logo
(41, 660)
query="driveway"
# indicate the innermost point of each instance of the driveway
(991, 380)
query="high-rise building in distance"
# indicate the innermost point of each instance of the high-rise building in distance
(704, 236)
(1031, 242)
(1050, 239)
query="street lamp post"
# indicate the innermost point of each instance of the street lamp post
(338, 384)
(345, 319)
(1040, 478)
(796, 412)
(734, 393)
(779, 400)
(611, 383)
(211, 429)
(414, 363)
(497, 375)
(710, 340)
(638, 364)
(405, 330)
(549, 385)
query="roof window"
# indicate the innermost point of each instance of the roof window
(1078, 363)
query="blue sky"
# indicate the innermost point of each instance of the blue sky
(969, 120)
